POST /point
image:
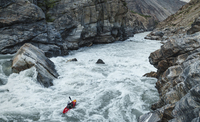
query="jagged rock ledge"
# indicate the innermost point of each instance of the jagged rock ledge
(178, 70)
(30, 56)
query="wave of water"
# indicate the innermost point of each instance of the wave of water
(110, 92)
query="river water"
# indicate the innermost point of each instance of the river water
(110, 92)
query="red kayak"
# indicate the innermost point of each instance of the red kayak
(69, 106)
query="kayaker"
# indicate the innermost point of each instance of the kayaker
(70, 105)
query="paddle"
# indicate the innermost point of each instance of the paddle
(70, 98)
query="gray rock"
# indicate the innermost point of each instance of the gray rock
(29, 56)
(19, 12)
(160, 115)
(150, 117)
(195, 26)
(187, 109)
(178, 64)
(71, 60)
(4, 90)
(6, 68)
(60, 25)
(3, 80)
(5, 3)
(196, 119)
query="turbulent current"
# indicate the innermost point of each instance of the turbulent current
(112, 92)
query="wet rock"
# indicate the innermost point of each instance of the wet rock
(4, 3)
(29, 56)
(3, 80)
(160, 115)
(155, 35)
(150, 117)
(4, 90)
(100, 61)
(74, 59)
(151, 74)
(6, 67)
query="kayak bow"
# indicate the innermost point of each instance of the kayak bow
(67, 108)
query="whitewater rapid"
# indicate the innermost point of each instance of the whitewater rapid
(110, 92)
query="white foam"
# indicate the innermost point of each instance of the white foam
(114, 91)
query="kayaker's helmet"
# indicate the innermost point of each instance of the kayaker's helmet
(74, 100)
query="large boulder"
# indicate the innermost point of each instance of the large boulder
(28, 56)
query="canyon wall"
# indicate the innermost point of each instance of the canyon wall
(56, 26)
(177, 63)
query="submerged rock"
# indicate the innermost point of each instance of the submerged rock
(28, 56)
(4, 90)
(74, 59)
(3, 81)
(7, 67)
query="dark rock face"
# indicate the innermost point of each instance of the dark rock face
(86, 22)
(30, 56)
(4, 3)
(26, 23)
(19, 12)
(58, 26)
(178, 64)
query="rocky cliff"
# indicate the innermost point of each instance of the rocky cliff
(160, 9)
(56, 26)
(177, 63)
(144, 15)
(178, 23)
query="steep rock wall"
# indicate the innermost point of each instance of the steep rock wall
(56, 26)
(178, 64)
